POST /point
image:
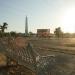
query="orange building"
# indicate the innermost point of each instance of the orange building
(43, 32)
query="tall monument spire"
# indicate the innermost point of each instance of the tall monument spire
(26, 26)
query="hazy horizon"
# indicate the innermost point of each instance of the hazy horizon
(41, 14)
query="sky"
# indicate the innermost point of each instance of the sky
(42, 14)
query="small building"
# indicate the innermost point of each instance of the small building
(43, 32)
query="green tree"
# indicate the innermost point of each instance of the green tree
(13, 34)
(58, 32)
(30, 33)
(2, 28)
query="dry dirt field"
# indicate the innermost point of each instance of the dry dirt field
(63, 50)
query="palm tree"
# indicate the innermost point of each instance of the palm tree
(3, 27)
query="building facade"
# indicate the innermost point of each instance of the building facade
(43, 32)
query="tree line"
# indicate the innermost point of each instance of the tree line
(3, 27)
(57, 32)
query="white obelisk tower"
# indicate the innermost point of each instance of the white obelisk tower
(26, 26)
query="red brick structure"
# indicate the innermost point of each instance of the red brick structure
(43, 32)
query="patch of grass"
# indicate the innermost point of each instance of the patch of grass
(70, 45)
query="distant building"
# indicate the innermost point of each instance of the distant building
(43, 32)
